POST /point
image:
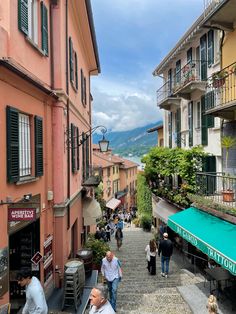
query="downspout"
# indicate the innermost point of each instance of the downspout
(68, 121)
(222, 120)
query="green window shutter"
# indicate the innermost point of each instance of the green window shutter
(190, 122)
(204, 122)
(178, 127)
(82, 85)
(87, 157)
(38, 126)
(203, 57)
(209, 104)
(73, 166)
(77, 143)
(76, 71)
(12, 145)
(84, 155)
(210, 47)
(170, 129)
(71, 52)
(23, 16)
(85, 93)
(44, 28)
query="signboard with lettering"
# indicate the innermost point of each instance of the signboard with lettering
(21, 214)
(36, 258)
(217, 256)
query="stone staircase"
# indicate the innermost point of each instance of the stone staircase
(139, 292)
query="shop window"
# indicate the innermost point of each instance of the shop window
(20, 143)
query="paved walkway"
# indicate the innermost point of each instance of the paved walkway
(140, 293)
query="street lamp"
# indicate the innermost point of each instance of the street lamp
(82, 138)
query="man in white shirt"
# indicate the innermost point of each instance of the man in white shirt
(35, 298)
(99, 302)
(111, 270)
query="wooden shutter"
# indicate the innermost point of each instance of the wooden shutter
(85, 94)
(77, 143)
(178, 127)
(73, 161)
(190, 122)
(209, 104)
(203, 57)
(71, 60)
(76, 72)
(84, 155)
(190, 55)
(44, 28)
(23, 16)
(210, 47)
(12, 145)
(82, 85)
(38, 125)
(204, 122)
(170, 128)
(87, 157)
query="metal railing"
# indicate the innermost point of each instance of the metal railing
(211, 5)
(221, 87)
(217, 187)
(190, 72)
(164, 92)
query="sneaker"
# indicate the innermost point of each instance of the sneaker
(163, 275)
(166, 275)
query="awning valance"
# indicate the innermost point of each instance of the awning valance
(212, 235)
(113, 203)
(91, 211)
(162, 209)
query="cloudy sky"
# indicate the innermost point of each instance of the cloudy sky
(133, 36)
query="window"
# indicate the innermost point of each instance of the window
(33, 20)
(28, 21)
(19, 145)
(190, 122)
(108, 172)
(170, 128)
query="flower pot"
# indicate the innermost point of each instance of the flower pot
(228, 196)
(217, 83)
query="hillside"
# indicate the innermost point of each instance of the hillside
(136, 142)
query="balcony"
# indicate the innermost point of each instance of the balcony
(220, 98)
(216, 191)
(188, 80)
(165, 98)
(219, 14)
(93, 177)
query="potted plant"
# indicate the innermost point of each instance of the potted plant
(218, 78)
(227, 142)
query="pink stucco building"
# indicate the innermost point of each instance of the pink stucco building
(48, 52)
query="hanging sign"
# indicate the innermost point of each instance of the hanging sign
(21, 214)
(36, 258)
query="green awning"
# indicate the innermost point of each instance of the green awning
(213, 236)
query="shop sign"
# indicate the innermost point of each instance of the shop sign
(21, 214)
(36, 258)
(3, 271)
(214, 254)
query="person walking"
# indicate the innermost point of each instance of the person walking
(35, 298)
(166, 250)
(111, 271)
(212, 305)
(151, 252)
(108, 232)
(99, 300)
(119, 238)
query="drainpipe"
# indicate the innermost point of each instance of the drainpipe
(68, 120)
(222, 120)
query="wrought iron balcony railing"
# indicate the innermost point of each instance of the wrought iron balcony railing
(190, 73)
(221, 88)
(164, 92)
(217, 187)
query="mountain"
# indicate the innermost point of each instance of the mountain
(136, 142)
